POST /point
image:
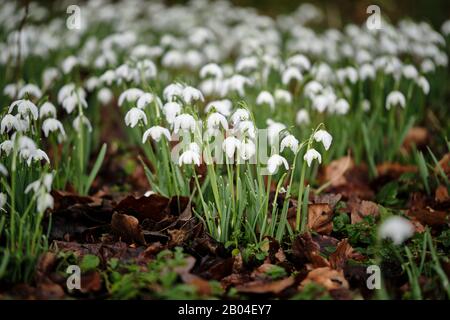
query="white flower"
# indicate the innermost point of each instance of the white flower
(239, 115)
(2, 200)
(47, 109)
(50, 125)
(37, 155)
(81, 120)
(367, 71)
(69, 63)
(246, 128)
(300, 61)
(47, 181)
(3, 170)
(215, 120)
(156, 132)
(133, 116)
(341, 106)
(247, 150)
(289, 142)
(265, 97)
(144, 100)
(222, 106)
(396, 228)
(25, 107)
(291, 73)
(395, 98)
(310, 155)
(324, 137)
(105, 96)
(302, 117)
(31, 90)
(6, 146)
(194, 147)
(365, 105)
(184, 121)
(33, 186)
(423, 83)
(247, 64)
(191, 94)
(230, 145)
(312, 88)
(283, 96)
(8, 122)
(275, 161)
(410, 72)
(171, 110)
(172, 90)
(237, 83)
(321, 102)
(44, 202)
(130, 95)
(273, 130)
(48, 76)
(10, 90)
(189, 157)
(211, 69)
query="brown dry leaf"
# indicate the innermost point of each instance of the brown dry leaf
(306, 250)
(262, 286)
(202, 286)
(441, 194)
(394, 170)
(91, 282)
(417, 136)
(320, 218)
(152, 207)
(326, 277)
(360, 209)
(177, 237)
(127, 227)
(444, 164)
(343, 252)
(429, 216)
(334, 173)
(49, 291)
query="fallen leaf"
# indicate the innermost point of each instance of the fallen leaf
(320, 218)
(443, 164)
(394, 170)
(306, 250)
(441, 194)
(127, 228)
(326, 277)
(334, 173)
(361, 209)
(417, 136)
(91, 282)
(343, 253)
(263, 286)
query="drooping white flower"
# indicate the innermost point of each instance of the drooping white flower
(81, 120)
(11, 90)
(69, 63)
(289, 142)
(47, 109)
(172, 90)
(3, 170)
(189, 157)
(275, 161)
(367, 71)
(48, 76)
(193, 146)
(395, 98)
(396, 228)
(324, 137)
(130, 95)
(240, 115)
(265, 97)
(105, 96)
(273, 130)
(300, 61)
(247, 64)
(31, 90)
(171, 110)
(237, 83)
(156, 132)
(191, 94)
(302, 117)
(410, 72)
(6, 146)
(38, 155)
(2, 200)
(25, 107)
(230, 145)
(8, 122)
(365, 105)
(341, 106)
(423, 83)
(222, 106)
(44, 201)
(144, 100)
(247, 150)
(133, 116)
(283, 96)
(185, 122)
(310, 155)
(246, 128)
(50, 125)
(211, 69)
(312, 88)
(215, 120)
(291, 73)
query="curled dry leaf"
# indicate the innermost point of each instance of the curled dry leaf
(326, 277)
(335, 173)
(320, 218)
(343, 253)
(307, 251)
(444, 165)
(417, 136)
(127, 228)
(360, 209)
(441, 194)
(429, 216)
(263, 286)
(394, 170)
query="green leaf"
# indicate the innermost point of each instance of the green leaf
(95, 169)
(89, 262)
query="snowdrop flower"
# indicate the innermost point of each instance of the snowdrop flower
(310, 155)
(184, 121)
(365, 105)
(341, 106)
(222, 106)
(156, 132)
(44, 201)
(30, 89)
(171, 110)
(427, 66)
(130, 95)
(8, 122)
(50, 125)
(410, 72)
(211, 69)
(191, 94)
(275, 161)
(37, 155)
(92, 83)
(423, 83)
(239, 115)
(108, 77)
(247, 150)
(289, 142)
(300, 61)
(312, 88)
(237, 83)
(396, 228)
(3, 170)
(367, 71)
(273, 130)
(105, 96)
(25, 107)
(189, 157)
(81, 120)
(48, 76)
(302, 117)
(291, 73)
(324, 137)
(215, 120)
(2, 200)
(283, 96)
(11, 90)
(172, 90)
(246, 128)
(194, 147)
(265, 97)
(133, 116)
(47, 109)
(247, 64)
(69, 63)
(6, 146)
(144, 100)
(395, 98)
(230, 145)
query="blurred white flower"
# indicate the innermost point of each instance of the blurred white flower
(47, 109)
(283, 96)
(395, 98)
(211, 69)
(81, 120)
(6, 146)
(144, 100)
(341, 106)
(133, 116)
(189, 157)
(51, 125)
(156, 132)
(172, 90)
(410, 72)
(105, 96)
(9, 122)
(3, 170)
(367, 71)
(171, 110)
(289, 142)
(25, 107)
(300, 61)
(273, 130)
(230, 145)
(312, 88)
(275, 161)
(44, 202)
(191, 94)
(246, 128)
(396, 228)
(2, 200)
(310, 155)
(324, 137)
(222, 106)
(31, 90)
(302, 117)
(130, 95)
(423, 83)
(265, 97)
(291, 73)
(69, 63)
(239, 115)
(215, 120)
(185, 122)
(247, 150)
